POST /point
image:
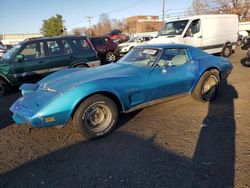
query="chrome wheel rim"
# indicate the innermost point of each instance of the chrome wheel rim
(227, 52)
(111, 57)
(209, 87)
(98, 116)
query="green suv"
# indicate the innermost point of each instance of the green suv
(34, 58)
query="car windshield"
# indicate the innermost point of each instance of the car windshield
(140, 57)
(173, 28)
(9, 54)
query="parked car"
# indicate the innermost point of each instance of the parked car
(3, 49)
(106, 48)
(93, 98)
(118, 36)
(246, 46)
(212, 33)
(35, 58)
(125, 47)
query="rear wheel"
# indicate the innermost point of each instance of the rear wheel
(3, 88)
(111, 57)
(227, 50)
(207, 86)
(96, 116)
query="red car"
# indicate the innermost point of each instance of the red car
(117, 36)
(106, 48)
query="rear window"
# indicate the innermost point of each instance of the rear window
(97, 41)
(81, 44)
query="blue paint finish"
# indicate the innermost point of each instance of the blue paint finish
(57, 95)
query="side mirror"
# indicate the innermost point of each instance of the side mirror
(19, 57)
(189, 33)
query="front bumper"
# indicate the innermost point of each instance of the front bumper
(23, 115)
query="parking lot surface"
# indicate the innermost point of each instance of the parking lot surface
(181, 143)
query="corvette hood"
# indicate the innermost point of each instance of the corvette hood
(71, 78)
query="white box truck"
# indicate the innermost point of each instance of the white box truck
(215, 33)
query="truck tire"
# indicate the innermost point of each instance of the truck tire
(3, 88)
(96, 116)
(226, 50)
(207, 86)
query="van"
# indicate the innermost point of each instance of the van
(216, 33)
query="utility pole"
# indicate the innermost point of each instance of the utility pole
(163, 11)
(89, 20)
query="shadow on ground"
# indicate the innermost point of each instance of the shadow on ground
(125, 160)
(5, 104)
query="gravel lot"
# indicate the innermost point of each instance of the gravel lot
(181, 143)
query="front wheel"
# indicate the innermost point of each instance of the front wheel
(96, 116)
(207, 86)
(226, 51)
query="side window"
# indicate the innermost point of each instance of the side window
(66, 47)
(30, 51)
(174, 57)
(194, 27)
(33, 51)
(54, 48)
(81, 44)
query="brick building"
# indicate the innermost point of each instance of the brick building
(140, 24)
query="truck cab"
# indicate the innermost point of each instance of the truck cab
(211, 33)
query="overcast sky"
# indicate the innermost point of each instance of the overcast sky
(25, 16)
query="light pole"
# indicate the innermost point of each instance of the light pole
(163, 11)
(89, 20)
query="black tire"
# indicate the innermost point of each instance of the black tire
(239, 42)
(207, 86)
(3, 88)
(111, 57)
(96, 116)
(226, 50)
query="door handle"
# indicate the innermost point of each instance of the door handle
(200, 37)
(40, 61)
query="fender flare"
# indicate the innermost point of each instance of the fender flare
(2, 77)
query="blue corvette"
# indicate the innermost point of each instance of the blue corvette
(92, 98)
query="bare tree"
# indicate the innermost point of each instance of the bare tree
(105, 23)
(198, 7)
(103, 26)
(79, 31)
(239, 7)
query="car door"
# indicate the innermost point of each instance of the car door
(174, 74)
(30, 63)
(85, 51)
(193, 35)
(60, 54)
